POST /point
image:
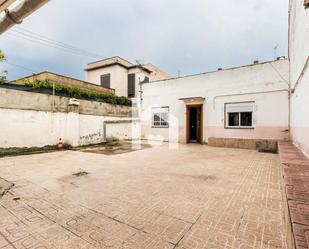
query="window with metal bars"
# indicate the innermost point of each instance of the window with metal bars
(160, 117)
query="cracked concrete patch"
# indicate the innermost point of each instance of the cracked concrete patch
(197, 197)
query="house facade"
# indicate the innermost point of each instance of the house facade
(299, 72)
(250, 102)
(122, 75)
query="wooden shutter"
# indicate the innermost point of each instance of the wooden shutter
(106, 80)
(131, 85)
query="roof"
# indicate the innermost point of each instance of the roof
(157, 73)
(116, 60)
(224, 70)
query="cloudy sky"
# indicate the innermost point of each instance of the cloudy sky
(179, 36)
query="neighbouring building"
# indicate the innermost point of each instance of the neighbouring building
(249, 102)
(122, 75)
(299, 72)
(61, 79)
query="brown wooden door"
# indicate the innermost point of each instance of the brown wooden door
(194, 124)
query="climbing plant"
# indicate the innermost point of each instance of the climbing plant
(3, 73)
(76, 92)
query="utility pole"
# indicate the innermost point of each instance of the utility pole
(275, 51)
(19, 13)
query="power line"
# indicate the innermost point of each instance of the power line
(52, 43)
(28, 32)
(280, 75)
(20, 66)
(46, 44)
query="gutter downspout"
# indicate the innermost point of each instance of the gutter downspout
(16, 16)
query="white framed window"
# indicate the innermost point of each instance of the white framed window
(160, 117)
(239, 115)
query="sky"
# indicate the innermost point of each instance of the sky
(181, 37)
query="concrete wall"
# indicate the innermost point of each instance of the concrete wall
(262, 83)
(299, 73)
(27, 120)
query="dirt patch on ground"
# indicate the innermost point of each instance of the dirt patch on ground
(5, 186)
(5, 152)
(112, 148)
(80, 173)
(76, 179)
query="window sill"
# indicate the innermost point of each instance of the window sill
(239, 128)
(155, 127)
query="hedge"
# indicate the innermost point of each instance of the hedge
(76, 92)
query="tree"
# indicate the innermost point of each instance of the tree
(4, 72)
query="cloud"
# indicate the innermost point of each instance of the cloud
(176, 35)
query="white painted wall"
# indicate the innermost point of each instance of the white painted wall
(271, 116)
(91, 129)
(28, 128)
(299, 52)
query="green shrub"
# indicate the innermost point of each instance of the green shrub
(76, 92)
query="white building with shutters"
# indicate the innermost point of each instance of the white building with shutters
(123, 76)
(249, 102)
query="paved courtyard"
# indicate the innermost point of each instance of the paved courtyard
(192, 198)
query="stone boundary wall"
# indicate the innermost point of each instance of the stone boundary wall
(23, 100)
(251, 144)
(37, 120)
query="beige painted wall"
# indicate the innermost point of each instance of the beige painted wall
(299, 53)
(119, 78)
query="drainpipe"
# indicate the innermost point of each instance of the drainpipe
(104, 132)
(20, 12)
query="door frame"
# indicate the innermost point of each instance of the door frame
(188, 122)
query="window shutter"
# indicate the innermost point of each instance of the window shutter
(239, 108)
(131, 85)
(106, 80)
